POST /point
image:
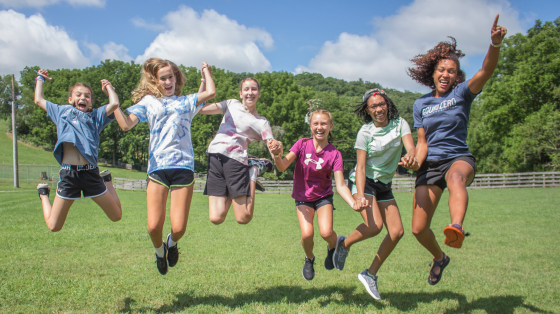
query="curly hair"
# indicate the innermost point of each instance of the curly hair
(361, 108)
(425, 65)
(149, 83)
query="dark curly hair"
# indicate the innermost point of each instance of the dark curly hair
(425, 65)
(361, 109)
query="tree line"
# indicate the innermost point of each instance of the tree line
(514, 123)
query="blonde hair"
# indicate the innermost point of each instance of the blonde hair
(149, 84)
(326, 113)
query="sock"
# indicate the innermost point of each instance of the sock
(372, 276)
(254, 173)
(170, 242)
(159, 251)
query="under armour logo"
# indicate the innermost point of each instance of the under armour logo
(318, 163)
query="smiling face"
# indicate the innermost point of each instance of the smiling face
(249, 93)
(321, 126)
(445, 76)
(377, 109)
(81, 98)
(167, 81)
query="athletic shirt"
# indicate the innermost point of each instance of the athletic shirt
(170, 120)
(238, 128)
(79, 128)
(313, 171)
(383, 146)
(445, 121)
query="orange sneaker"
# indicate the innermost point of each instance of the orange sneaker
(454, 235)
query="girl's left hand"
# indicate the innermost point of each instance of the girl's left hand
(409, 162)
(497, 33)
(205, 66)
(104, 85)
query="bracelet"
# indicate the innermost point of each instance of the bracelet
(40, 78)
(279, 155)
(495, 46)
(203, 80)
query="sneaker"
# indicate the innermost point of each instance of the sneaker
(329, 260)
(172, 253)
(259, 186)
(106, 175)
(370, 282)
(340, 253)
(263, 164)
(308, 271)
(43, 189)
(161, 262)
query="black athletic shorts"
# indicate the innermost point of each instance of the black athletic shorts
(434, 171)
(75, 180)
(381, 191)
(318, 203)
(172, 177)
(227, 176)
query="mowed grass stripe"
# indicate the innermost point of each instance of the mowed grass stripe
(508, 265)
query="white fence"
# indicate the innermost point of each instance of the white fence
(481, 181)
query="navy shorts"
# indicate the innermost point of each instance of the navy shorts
(434, 171)
(172, 177)
(327, 200)
(381, 191)
(75, 180)
(227, 176)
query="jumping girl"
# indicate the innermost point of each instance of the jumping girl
(171, 163)
(232, 174)
(316, 160)
(78, 126)
(378, 146)
(442, 152)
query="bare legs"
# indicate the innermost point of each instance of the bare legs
(375, 216)
(55, 215)
(243, 207)
(179, 212)
(306, 215)
(426, 199)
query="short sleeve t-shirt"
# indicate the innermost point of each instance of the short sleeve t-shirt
(238, 128)
(383, 146)
(169, 119)
(445, 121)
(79, 128)
(313, 171)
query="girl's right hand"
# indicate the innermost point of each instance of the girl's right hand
(44, 74)
(205, 66)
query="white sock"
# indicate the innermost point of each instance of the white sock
(170, 242)
(254, 173)
(159, 250)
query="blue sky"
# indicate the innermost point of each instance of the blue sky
(372, 40)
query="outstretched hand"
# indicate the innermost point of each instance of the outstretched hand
(44, 74)
(104, 84)
(497, 33)
(409, 162)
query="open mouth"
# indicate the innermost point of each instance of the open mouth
(443, 83)
(82, 107)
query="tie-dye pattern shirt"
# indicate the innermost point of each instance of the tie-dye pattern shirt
(170, 120)
(238, 129)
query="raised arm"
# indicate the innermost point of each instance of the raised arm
(109, 90)
(39, 97)
(125, 122)
(497, 34)
(209, 89)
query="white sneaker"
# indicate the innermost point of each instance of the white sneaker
(370, 283)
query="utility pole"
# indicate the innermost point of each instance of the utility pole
(14, 137)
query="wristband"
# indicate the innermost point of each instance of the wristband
(203, 80)
(40, 78)
(495, 46)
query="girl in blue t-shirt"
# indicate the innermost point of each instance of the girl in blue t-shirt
(78, 126)
(171, 161)
(442, 152)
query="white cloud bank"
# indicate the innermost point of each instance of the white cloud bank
(31, 41)
(191, 38)
(384, 55)
(44, 3)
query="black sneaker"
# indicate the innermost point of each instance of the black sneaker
(259, 186)
(161, 262)
(106, 175)
(43, 189)
(308, 272)
(263, 163)
(329, 265)
(172, 253)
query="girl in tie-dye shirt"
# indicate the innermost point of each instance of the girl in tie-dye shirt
(171, 155)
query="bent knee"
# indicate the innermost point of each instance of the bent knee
(418, 230)
(217, 219)
(244, 220)
(396, 235)
(116, 217)
(54, 228)
(326, 234)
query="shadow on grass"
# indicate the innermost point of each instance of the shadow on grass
(404, 302)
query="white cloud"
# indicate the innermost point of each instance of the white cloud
(384, 55)
(140, 22)
(44, 3)
(191, 38)
(110, 51)
(31, 41)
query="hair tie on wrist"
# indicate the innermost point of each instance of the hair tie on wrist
(40, 78)
(203, 80)
(495, 46)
